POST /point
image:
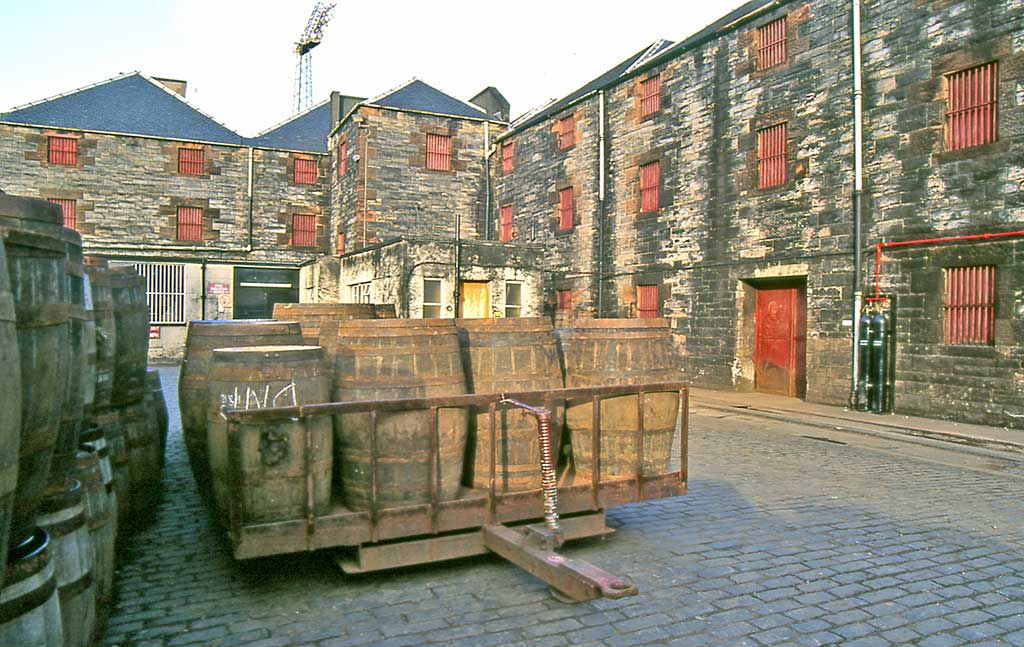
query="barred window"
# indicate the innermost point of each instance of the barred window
(439, 152)
(431, 298)
(165, 292)
(190, 223)
(970, 308)
(566, 132)
(771, 156)
(771, 44)
(650, 96)
(564, 299)
(508, 151)
(70, 210)
(305, 171)
(343, 158)
(506, 223)
(972, 106)
(513, 299)
(650, 187)
(190, 161)
(647, 301)
(304, 230)
(62, 150)
(566, 208)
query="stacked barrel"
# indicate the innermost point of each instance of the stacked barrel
(314, 353)
(56, 489)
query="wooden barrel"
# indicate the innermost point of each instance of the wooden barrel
(202, 337)
(10, 412)
(29, 603)
(62, 516)
(106, 330)
(107, 426)
(142, 440)
(384, 310)
(63, 464)
(398, 358)
(35, 260)
(159, 409)
(89, 366)
(622, 351)
(131, 321)
(272, 484)
(317, 317)
(101, 519)
(507, 355)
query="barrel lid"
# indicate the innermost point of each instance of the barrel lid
(234, 327)
(653, 322)
(36, 210)
(344, 309)
(394, 327)
(96, 262)
(509, 324)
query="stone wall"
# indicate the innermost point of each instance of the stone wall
(128, 190)
(389, 192)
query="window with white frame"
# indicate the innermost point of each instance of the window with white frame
(165, 292)
(431, 298)
(360, 292)
(513, 299)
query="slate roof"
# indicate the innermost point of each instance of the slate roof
(130, 104)
(417, 95)
(305, 132)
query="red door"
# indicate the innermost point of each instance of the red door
(780, 349)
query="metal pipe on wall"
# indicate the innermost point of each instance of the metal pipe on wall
(601, 163)
(251, 198)
(487, 181)
(858, 187)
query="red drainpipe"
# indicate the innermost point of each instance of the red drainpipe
(931, 241)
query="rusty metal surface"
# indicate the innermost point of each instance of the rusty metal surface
(473, 508)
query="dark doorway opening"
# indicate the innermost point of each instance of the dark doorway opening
(257, 289)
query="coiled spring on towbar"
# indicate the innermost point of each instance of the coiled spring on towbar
(548, 483)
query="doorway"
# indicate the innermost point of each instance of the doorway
(475, 300)
(780, 345)
(258, 289)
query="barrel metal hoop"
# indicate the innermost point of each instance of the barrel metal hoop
(72, 589)
(32, 600)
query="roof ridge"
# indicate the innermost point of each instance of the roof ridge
(652, 50)
(61, 95)
(190, 106)
(482, 113)
(290, 119)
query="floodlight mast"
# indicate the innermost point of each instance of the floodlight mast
(310, 38)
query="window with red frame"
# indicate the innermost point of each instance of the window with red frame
(342, 159)
(508, 151)
(771, 44)
(70, 210)
(305, 171)
(341, 243)
(970, 308)
(650, 96)
(564, 299)
(190, 161)
(647, 301)
(62, 150)
(650, 187)
(566, 208)
(567, 132)
(506, 223)
(304, 230)
(190, 223)
(972, 106)
(439, 152)
(771, 156)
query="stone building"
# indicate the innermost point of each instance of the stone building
(712, 181)
(219, 224)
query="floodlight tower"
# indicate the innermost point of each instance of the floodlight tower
(309, 39)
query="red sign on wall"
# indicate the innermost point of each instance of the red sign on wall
(154, 332)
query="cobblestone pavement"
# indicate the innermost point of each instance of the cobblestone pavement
(787, 537)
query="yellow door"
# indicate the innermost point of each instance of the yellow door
(476, 300)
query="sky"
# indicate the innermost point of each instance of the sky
(238, 57)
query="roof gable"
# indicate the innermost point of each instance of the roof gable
(130, 104)
(417, 95)
(305, 132)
